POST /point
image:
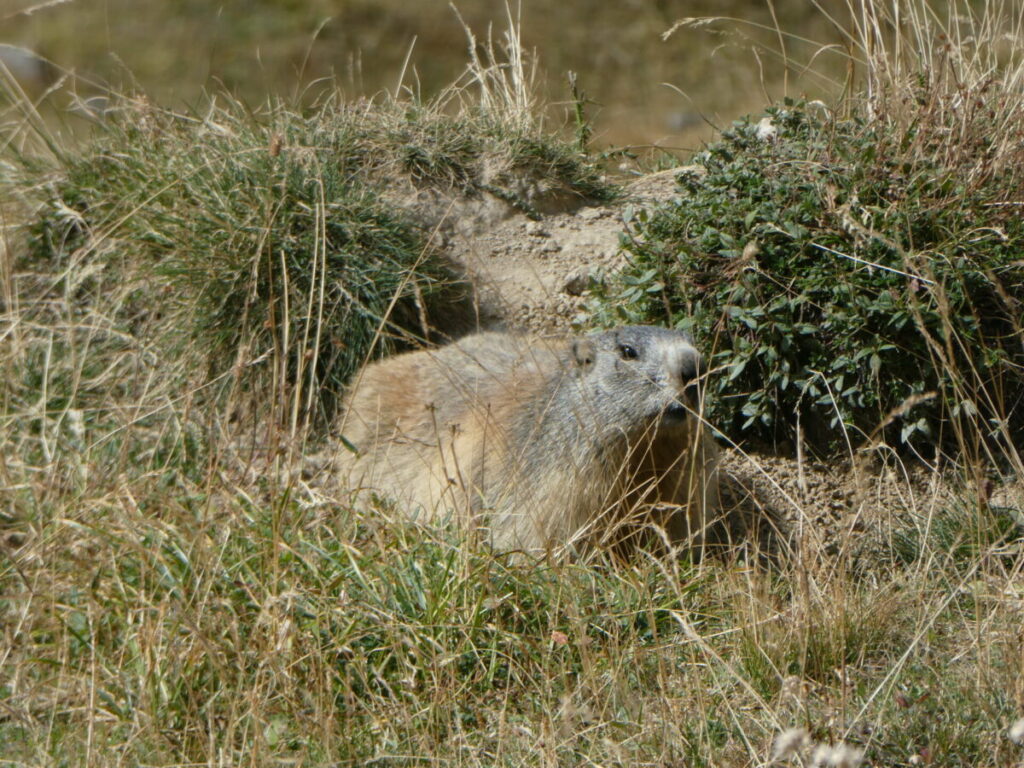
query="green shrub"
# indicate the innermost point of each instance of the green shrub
(838, 277)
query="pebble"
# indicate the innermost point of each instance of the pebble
(576, 282)
(592, 214)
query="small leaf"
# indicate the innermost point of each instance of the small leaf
(737, 369)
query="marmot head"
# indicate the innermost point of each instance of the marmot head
(640, 378)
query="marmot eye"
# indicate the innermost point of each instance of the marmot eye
(627, 352)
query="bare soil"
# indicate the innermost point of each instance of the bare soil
(532, 272)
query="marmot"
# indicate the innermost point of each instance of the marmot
(547, 446)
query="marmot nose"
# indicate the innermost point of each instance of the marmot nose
(675, 413)
(691, 367)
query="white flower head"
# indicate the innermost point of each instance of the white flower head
(766, 129)
(789, 743)
(841, 756)
(1016, 732)
(845, 756)
(822, 756)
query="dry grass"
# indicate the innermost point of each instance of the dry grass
(166, 599)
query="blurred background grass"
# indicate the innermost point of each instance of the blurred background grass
(643, 89)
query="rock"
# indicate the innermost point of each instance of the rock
(536, 229)
(577, 282)
(30, 70)
(592, 214)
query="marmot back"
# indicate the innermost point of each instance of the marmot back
(546, 445)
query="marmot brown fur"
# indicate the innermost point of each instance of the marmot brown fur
(546, 445)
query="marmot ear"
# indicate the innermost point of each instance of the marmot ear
(583, 352)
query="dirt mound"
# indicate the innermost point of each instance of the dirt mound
(533, 272)
(531, 257)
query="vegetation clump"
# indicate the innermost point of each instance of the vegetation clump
(847, 279)
(240, 238)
